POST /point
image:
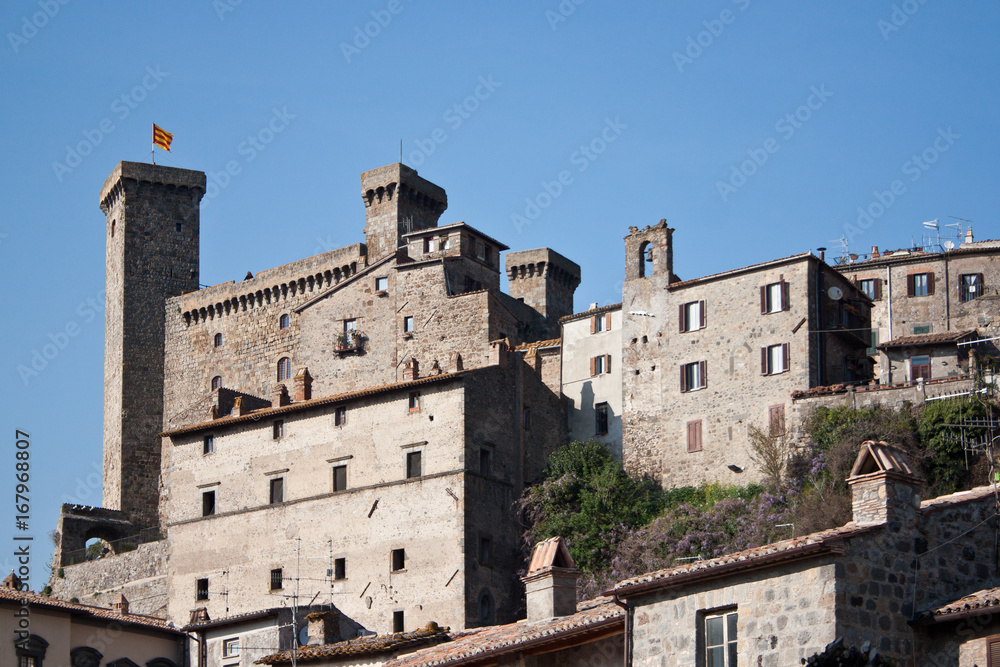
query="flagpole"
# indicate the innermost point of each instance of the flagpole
(152, 153)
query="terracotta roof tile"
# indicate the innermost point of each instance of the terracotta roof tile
(135, 620)
(531, 348)
(591, 312)
(880, 456)
(979, 602)
(942, 502)
(928, 339)
(479, 644)
(550, 553)
(361, 646)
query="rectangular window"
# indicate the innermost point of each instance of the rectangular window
(601, 419)
(871, 287)
(208, 444)
(350, 325)
(485, 462)
(381, 284)
(600, 365)
(720, 639)
(692, 316)
(398, 560)
(413, 465)
(970, 286)
(485, 551)
(444, 243)
(873, 348)
(694, 436)
(278, 429)
(428, 245)
(339, 478)
(276, 583)
(526, 418)
(231, 648)
(919, 329)
(201, 589)
(397, 621)
(480, 250)
(340, 415)
(340, 568)
(774, 359)
(920, 367)
(776, 420)
(208, 503)
(694, 376)
(920, 284)
(277, 490)
(408, 324)
(414, 401)
(774, 297)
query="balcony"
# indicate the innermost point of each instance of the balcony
(350, 342)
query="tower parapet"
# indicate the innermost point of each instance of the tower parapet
(397, 201)
(544, 280)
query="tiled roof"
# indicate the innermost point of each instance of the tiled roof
(135, 620)
(904, 255)
(743, 269)
(231, 620)
(432, 230)
(481, 644)
(550, 553)
(979, 602)
(361, 646)
(531, 348)
(928, 339)
(861, 388)
(591, 312)
(942, 502)
(825, 541)
(880, 456)
(256, 415)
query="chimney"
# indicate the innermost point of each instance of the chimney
(822, 254)
(303, 385)
(120, 605)
(498, 352)
(324, 627)
(199, 615)
(455, 361)
(435, 368)
(411, 370)
(237, 407)
(13, 581)
(550, 585)
(884, 488)
(279, 395)
(875, 251)
(968, 235)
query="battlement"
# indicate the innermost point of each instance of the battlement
(312, 274)
(148, 173)
(545, 280)
(397, 202)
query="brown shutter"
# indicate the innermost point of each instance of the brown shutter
(703, 314)
(930, 283)
(763, 299)
(877, 290)
(703, 368)
(593, 365)
(607, 363)
(607, 321)
(763, 361)
(682, 318)
(684, 384)
(993, 656)
(691, 438)
(909, 285)
(593, 324)
(980, 285)
(784, 295)
(784, 353)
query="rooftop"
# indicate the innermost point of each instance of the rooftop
(531, 348)
(941, 338)
(980, 602)
(590, 313)
(361, 646)
(87, 611)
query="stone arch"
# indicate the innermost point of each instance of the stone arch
(645, 259)
(85, 656)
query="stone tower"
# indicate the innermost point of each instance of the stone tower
(397, 201)
(544, 280)
(152, 253)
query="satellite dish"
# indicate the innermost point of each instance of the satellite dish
(949, 245)
(835, 293)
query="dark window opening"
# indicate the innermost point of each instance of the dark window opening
(340, 416)
(414, 401)
(277, 490)
(645, 259)
(278, 429)
(202, 590)
(485, 462)
(340, 568)
(284, 322)
(397, 621)
(485, 551)
(276, 579)
(398, 559)
(208, 444)
(485, 609)
(216, 382)
(526, 418)
(218, 340)
(339, 478)
(413, 464)
(601, 419)
(208, 503)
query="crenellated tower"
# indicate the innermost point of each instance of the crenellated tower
(544, 280)
(397, 201)
(152, 253)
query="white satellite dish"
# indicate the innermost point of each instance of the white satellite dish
(949, 245)
(835, 293)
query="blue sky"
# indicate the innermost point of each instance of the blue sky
(758, 130)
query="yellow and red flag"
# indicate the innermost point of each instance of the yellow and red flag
(162, 138)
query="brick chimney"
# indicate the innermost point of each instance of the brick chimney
(875, 251)
(13, 581)
(499, 351)
(968, 235)
(550, 585)
(324, 627)
(120, 604)
(884, 488)
(279, 395)
(411, 370)
(454, 361)
(303, 385)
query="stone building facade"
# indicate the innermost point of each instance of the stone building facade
(705, 359)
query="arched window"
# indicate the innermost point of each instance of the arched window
(84, 656)
(645, 260)
(218, 340)
(113, 222)
(31, 653)
(217, 382)
(485, 608)
(284, 368)
(284, 321)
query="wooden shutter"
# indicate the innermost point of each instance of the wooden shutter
(593, 366)
(877, 291)
(607, 363)
(593, 324)
(785, 355)
(763, 361)
(684, 381)
(703, 371)
(909, 285)
(993, 653)
(703, 315)
(682, 318)
(763, 299)
(607, 321)
(694, 436)
(930, 283)
(784, 295)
